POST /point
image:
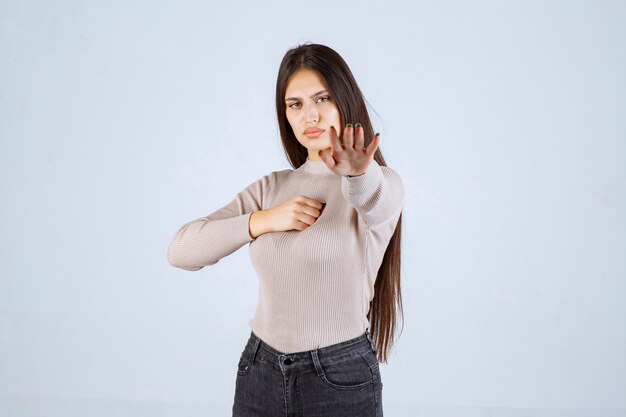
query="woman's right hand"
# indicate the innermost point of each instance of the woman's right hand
(297, 213)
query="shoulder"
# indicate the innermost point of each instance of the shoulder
(271, 178)
(277, 176)
(281, 173)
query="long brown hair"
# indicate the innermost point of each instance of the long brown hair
(351, 104)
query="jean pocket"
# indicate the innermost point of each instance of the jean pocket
(354, 373)
(244, 365)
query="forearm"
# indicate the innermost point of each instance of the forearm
(376, 194)
(204, 242)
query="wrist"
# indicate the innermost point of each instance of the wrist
(259, 223)
(254, 225)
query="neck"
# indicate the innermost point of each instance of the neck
(314, 154)
(315, 166)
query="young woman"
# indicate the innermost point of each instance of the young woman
(325, 242)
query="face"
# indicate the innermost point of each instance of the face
(310, 106)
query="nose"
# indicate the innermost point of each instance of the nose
(311, 115)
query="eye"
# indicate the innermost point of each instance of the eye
(325, 98)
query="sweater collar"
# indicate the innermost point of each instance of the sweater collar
(315, 167)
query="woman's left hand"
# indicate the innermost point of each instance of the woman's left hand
(350, 158)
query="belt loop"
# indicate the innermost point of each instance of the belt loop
(369, 337)
(316, 362)
(256, 342)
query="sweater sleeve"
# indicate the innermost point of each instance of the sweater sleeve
(205, 241)
(377, 195)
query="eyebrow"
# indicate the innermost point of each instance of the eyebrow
(298, 98)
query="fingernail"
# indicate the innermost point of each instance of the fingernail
(357, 125)
(348, 125)
(377, 134)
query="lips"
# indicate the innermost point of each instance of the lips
(314, 134)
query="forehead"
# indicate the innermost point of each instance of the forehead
(305, 80)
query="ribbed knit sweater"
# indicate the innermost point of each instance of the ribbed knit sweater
(315, 285)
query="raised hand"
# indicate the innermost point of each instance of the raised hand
(350, 157)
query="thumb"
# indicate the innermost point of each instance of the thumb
(325, 155)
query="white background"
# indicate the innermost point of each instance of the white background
(121, 121)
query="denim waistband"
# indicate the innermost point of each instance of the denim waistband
(257, 349)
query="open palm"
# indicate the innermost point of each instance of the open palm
(350, 157)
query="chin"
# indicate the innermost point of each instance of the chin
(319, 144)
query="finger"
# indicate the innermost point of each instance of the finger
(359, 137)
(306, 219)
(314, 203)
(325, 155)
(335, 144)
(348, 133)
(312, 211)
(371, 149)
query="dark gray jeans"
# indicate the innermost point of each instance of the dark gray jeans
(337, 380)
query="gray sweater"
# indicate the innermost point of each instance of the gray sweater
(315, 285)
